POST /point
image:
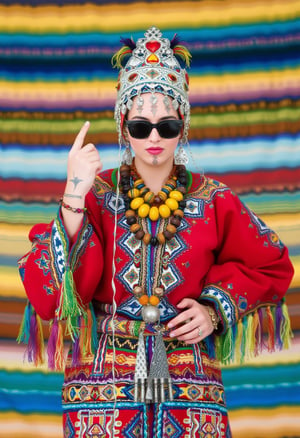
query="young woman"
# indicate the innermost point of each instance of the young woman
(159, 273)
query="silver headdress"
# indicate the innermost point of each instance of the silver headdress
(152, 68)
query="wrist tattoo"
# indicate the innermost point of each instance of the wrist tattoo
(69, 195)
(76, 181)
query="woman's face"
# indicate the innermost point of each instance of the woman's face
(154, 149)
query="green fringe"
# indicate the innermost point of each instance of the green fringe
(24, 331)
(241, 341)
(70, 305)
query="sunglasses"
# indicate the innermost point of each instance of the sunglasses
(142, 128)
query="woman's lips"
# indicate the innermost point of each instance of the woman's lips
(154, 151)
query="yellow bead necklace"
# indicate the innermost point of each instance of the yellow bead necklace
(140, 202)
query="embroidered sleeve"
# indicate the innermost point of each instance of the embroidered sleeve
(44, 269)
(252, 268)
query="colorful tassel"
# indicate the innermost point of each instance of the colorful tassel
(76, 352)
(257, 341)
(83, 336)
(59, 351)
(285, 328)
(249, 336)
(271, 329)
(52, 342)
(88, 337)
(183, 53)
(210, 344)
(94, 330)
(260, 313)
(70, 305)
(23, 335)
(278, 322)
(238, 342)
(35, 346)
(227, 346)
(246, 339)
(119, 56)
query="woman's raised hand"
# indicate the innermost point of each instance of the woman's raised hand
(83, 165)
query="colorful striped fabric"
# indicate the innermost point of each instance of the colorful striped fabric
(55, 73)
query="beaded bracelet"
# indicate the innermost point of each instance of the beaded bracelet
(73, 209)
(214, 317)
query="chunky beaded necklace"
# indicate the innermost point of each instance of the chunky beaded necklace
(141, 202)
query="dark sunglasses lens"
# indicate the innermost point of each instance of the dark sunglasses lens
(169, 128)
(166, 129)
(139, 129)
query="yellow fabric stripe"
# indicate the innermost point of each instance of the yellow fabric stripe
(296, 263)
(26, 426)
(108, 18)
(14, 240)
(11, 285)
(59, 91)
(287, 226)
(267, 423)
(105, 89)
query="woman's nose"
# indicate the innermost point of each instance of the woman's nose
(154, 135)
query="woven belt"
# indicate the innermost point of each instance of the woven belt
(127, 327)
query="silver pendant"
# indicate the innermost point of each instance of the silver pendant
(150, 314)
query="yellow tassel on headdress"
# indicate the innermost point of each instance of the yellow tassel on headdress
(118, 57)
(183, 53)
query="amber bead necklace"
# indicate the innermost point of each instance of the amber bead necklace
(141, 202)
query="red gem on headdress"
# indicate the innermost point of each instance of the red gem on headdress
(132, 77)
(152, 46)
(152, 59)
(172, 77)
(187, 78)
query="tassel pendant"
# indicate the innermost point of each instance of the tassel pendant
(159, 386)
(140, 376)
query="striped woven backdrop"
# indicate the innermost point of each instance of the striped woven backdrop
(55, 73)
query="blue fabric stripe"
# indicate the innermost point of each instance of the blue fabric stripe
(202, 34)
(245, 387)
(235, 155)
(93, 70)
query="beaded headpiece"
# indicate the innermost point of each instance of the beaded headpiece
(152, 68)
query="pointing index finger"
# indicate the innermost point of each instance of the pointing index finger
(79, 140)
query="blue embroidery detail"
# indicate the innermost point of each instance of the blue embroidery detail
(223, 301)
(110, 202)
(264, 230)
(194, 208)
(44, 262)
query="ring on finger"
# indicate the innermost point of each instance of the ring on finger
(200, 331)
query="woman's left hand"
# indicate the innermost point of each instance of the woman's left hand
(193, 324)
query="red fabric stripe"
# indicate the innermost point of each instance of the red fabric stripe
(257, 181)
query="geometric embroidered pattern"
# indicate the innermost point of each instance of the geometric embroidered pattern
(264, 230)
(58, 251)
(223, 302)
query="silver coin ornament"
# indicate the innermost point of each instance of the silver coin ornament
(150, 314)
